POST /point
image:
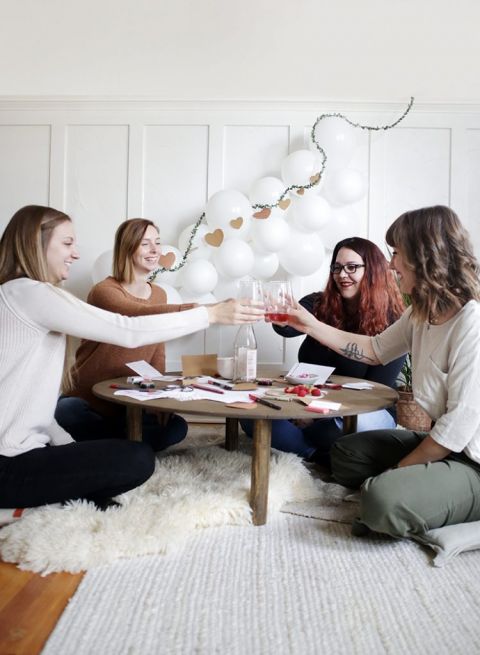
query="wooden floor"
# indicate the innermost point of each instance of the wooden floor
(30, 605)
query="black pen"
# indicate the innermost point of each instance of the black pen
(262, 401)
(222, 385)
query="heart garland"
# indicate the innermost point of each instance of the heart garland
(215, 238)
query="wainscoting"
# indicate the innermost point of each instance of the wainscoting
(103, 160)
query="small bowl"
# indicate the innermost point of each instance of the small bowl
(305, 378)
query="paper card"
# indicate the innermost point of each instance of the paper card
(324, 404)
(357, 385)
(195, 365)
(322, 373)
(143, 368)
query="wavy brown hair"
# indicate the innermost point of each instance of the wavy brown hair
(128, 237)
(438, 249)
(24, 243)
(380, 301)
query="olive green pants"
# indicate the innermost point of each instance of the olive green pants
(408, 501)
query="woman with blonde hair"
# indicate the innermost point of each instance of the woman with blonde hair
(412, 482)
(128, 291)
(39, 461)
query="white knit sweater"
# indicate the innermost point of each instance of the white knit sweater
(34, 319)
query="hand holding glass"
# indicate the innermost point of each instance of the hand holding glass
(278, 297)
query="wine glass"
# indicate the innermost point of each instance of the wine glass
(278, 297)
(250, 290)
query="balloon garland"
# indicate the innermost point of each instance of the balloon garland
(263, 211)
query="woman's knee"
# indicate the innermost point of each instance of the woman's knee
(138, 459)
(384, 507)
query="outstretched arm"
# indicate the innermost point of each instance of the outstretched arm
(357, 347)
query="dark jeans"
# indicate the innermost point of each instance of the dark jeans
(94, 470)
(84, 424)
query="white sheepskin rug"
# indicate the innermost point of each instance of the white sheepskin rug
(196, 488)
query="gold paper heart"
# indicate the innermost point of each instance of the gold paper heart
(167, 261)
(300, 192)
(315, 178)
(236, 223)
(263, 213)
(214, 238)
(284, 204)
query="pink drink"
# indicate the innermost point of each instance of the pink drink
(276, 317)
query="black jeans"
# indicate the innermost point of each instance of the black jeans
(93, 470)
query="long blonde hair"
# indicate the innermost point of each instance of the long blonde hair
(24, 243)
(23, 253)
(438, 250)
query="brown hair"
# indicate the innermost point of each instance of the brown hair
(438, 250)
(380, 301)
(128, 237)
(24, 243)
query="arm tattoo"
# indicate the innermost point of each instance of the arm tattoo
(352, 352)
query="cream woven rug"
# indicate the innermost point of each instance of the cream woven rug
(296, 586)
(191, 489)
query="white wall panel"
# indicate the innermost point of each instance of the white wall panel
(252, 152)
(96, 162)
(102, 162)
(417, 169)
(175, 176)
(24, 168)
(473, 187)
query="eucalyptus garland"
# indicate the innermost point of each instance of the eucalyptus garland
(299, 188)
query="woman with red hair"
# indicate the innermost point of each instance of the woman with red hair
(362, 297)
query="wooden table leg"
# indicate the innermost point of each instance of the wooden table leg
(231, 433)
(349, 424)
(134, 423)
(262, 437)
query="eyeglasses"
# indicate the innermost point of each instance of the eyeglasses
(336, 269)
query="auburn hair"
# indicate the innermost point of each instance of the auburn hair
(380, 301)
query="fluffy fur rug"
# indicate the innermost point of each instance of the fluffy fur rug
(196, 488)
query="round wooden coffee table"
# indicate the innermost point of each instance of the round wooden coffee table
(353, 402)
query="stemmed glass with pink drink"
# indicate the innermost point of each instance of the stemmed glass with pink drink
(278, 297)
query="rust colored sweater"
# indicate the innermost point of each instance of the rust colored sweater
(96, 361)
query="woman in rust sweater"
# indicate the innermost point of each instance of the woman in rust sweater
(128, 292)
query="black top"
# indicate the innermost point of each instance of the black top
(313, 352)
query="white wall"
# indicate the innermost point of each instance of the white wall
(253, 49)
(122, 108)
(102, 162)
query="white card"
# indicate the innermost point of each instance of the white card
(322, 373)
(143, 368)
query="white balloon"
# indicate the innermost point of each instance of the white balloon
(201, 299)
(304, 253)
(266, 191)
(234, 258)
(200, 249)
(230, 211)
(298, 167)
(338, 140)
(170, 277)
(345, 187)
(270, 234)
(265, 266)
(310, 213)
(345, 223)
(173, 296)
(102, 266)
(199, 277)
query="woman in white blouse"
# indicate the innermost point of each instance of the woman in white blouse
(39, 462)
(412, 482)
